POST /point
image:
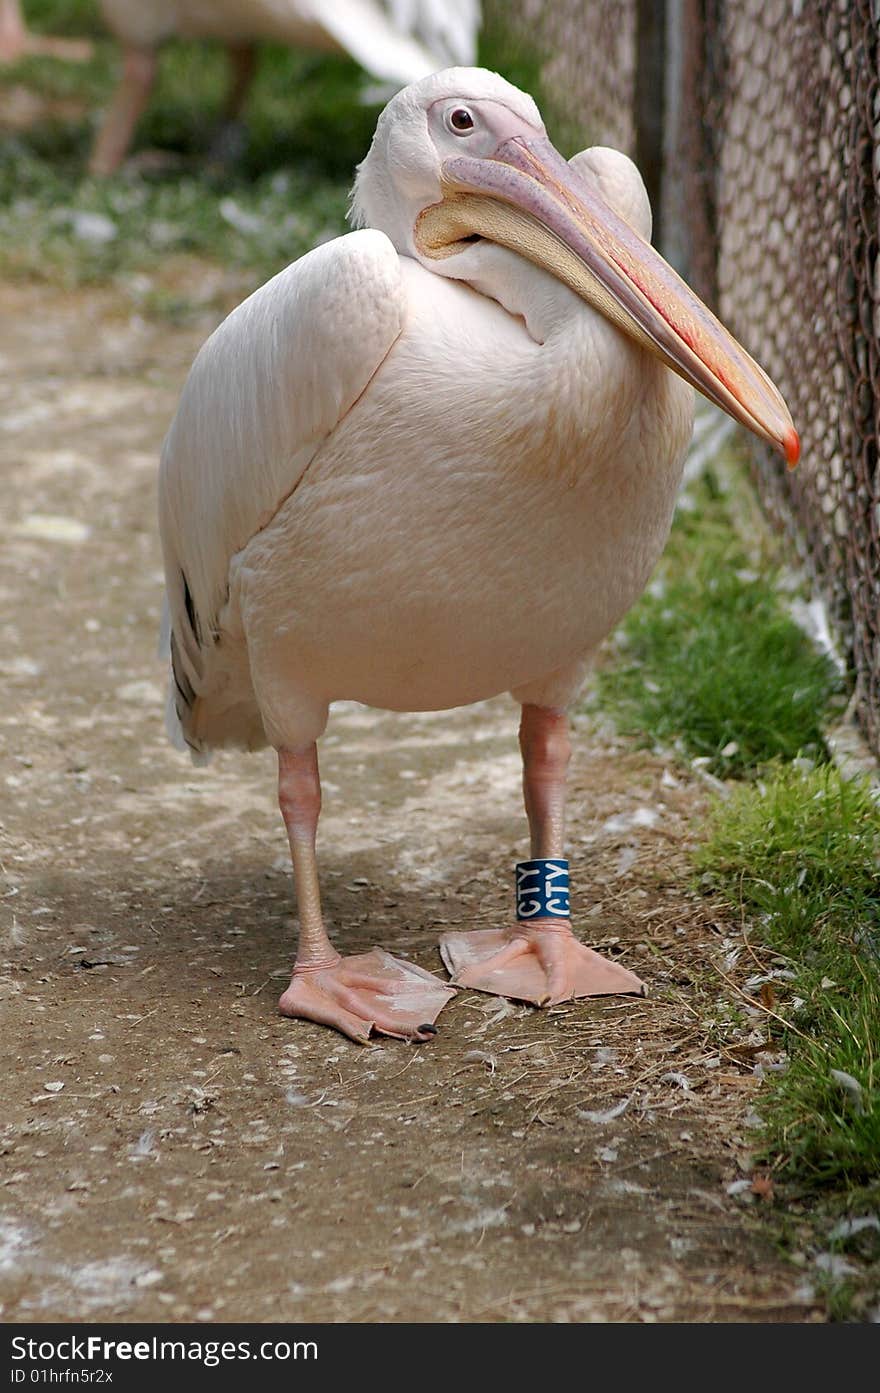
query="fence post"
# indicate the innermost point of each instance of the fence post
(650, 102)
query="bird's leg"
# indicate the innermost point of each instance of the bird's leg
(242, 66)
(139, 67)
(539, 959)
(13, 34)
(228, 142)
(366, 992)
(546, 750)
(17, 41)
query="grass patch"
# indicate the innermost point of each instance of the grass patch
(710, 659)
(805, 847)
(799, 855)
(90, 232)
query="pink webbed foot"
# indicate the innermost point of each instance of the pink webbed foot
(368, 992)
(542, 963)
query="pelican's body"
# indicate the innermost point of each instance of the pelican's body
(445, 542)
(418, 469)
(397, 41)
(477, 545)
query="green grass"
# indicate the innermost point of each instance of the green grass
(808, 844)
(799, 854)
(87, 232)
(710, 660)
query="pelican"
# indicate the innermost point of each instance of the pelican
(17, 41)
(397, 41)
(432, 461)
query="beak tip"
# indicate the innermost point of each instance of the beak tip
(791, 446)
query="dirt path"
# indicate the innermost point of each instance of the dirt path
(171, 1148)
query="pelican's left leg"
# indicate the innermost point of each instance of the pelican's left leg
(538, 959)
(360, 994)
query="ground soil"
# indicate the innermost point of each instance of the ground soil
(171, 1148)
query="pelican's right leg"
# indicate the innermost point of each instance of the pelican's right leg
(538, 959)
(357, 995)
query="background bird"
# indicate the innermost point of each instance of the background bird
(397, 41)
(432, 461)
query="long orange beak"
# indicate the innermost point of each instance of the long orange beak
(527, 197)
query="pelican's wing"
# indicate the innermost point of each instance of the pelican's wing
(401, 41)
(268, 387)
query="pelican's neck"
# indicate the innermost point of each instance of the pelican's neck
(586, 363)
(585, 391)
(546, 306)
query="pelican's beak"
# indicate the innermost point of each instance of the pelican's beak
(528, 198)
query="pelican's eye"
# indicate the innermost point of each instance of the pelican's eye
(459, 120)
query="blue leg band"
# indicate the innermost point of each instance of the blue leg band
(542, 889)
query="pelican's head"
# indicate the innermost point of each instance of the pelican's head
(463, 155)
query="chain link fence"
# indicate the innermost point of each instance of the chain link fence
(768, 114)
(583, 57)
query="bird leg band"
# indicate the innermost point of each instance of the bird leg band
(542, 889)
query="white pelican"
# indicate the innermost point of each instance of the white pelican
(395, 40)
(17, 41)
(431, 461)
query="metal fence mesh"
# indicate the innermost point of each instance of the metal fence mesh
(790, 94)
(771, 197)
(587, 59)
